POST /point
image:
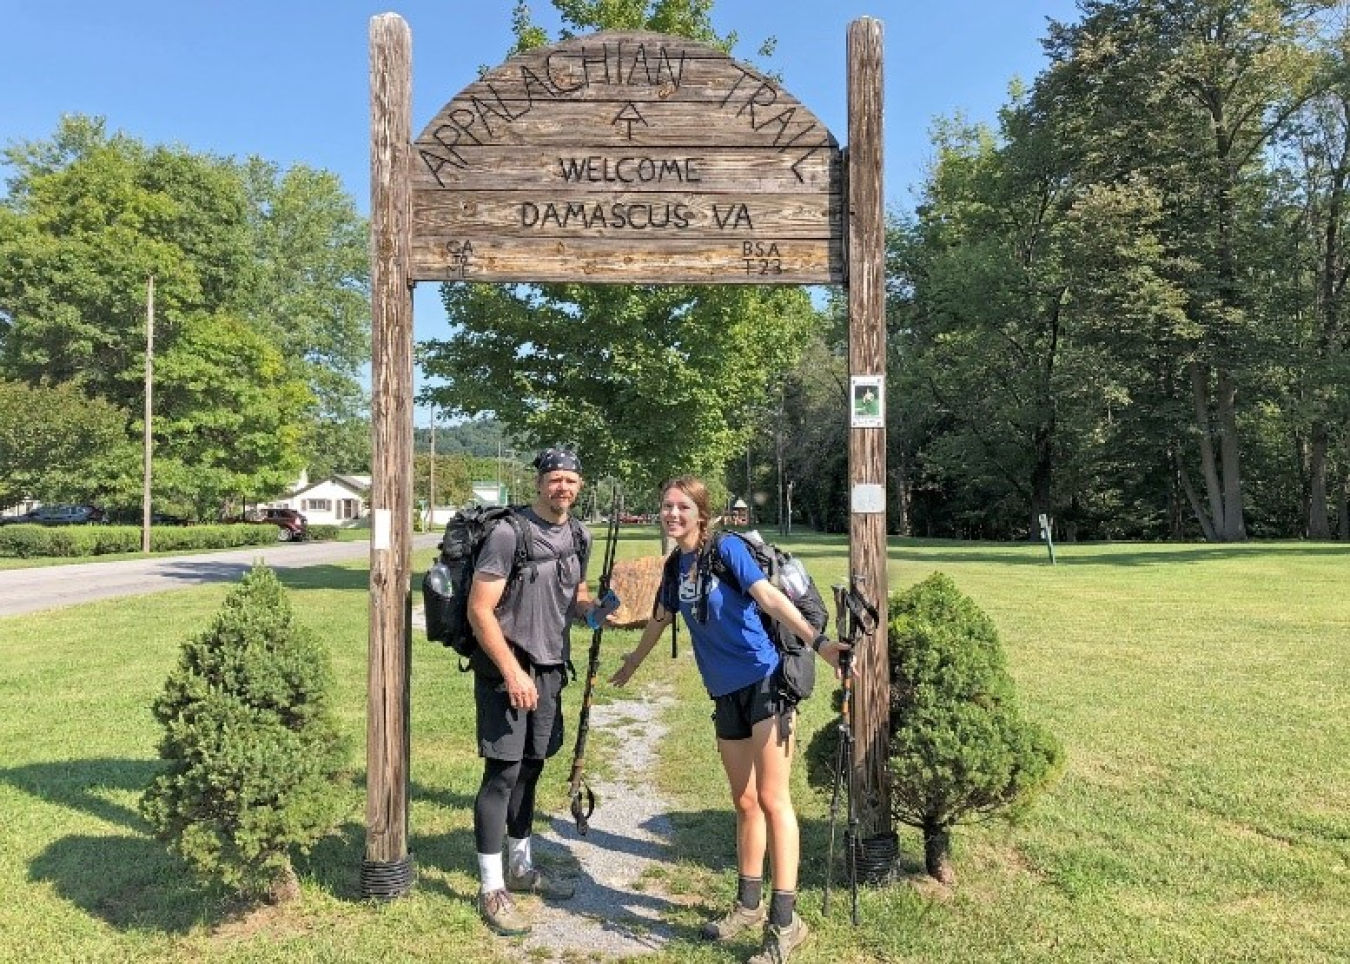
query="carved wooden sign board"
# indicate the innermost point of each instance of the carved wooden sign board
(627, 157)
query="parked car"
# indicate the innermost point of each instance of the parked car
(292, 526)
(59, 515)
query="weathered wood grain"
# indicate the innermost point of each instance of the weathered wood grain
(391, 439)
(606, 166)
(605, 260)
(867, 446)
(635, 218)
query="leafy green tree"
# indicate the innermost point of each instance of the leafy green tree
(55, 442)
(256, 762)
(984, 323)
(308, 291)
(960, 750)
(1313, 207)
(647, 380)
(260, 283)
(1187, 96)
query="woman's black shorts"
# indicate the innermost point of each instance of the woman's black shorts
(736, 713)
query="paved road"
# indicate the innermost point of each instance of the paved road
(51, 587)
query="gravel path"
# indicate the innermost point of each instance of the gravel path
(615, 913)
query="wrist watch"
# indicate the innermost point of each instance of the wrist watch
(820, 640)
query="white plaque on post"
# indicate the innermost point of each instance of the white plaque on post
(868, 497)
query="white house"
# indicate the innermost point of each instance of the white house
(339, 500)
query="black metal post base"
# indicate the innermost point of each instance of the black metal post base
(384, 880)
(876, 857)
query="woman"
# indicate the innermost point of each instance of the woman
(737, 661)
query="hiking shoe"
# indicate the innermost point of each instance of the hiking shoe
(535, 881)
(779, 942)
(501, 914)
(736, 921)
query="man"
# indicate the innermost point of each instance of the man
(520, 614)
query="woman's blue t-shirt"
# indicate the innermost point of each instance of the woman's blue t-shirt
(732, 649)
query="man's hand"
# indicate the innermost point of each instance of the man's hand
(521, 690)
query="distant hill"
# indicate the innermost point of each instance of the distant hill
(480, 438)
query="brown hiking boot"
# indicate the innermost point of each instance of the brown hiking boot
(501, 914)
(780, 942)
(736, 921)
(535, 881)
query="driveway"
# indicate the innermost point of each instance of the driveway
(51, 587)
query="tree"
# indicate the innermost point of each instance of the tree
(959, 748)
(309, 293)
(617, 368)
(1187, 95)
(255, 757)
(54, 440)
(260, 284)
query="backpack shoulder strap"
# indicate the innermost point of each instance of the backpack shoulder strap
(716, 564)
(581, 542)
(524, 544)
(670, 576)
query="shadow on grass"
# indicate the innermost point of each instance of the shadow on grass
(128, 878)
(1101, 554)
(708, 838)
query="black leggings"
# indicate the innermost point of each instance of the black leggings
(505, 802)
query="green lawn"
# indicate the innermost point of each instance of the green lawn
(1202, 695)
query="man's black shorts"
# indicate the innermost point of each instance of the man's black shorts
(736, 713)
(508, 733)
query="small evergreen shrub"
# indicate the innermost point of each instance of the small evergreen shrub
(959, 749)
(322, 532)
(255, 756)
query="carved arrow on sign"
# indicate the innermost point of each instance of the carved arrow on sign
(630, 115)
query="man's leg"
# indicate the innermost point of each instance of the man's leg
(500, 778)
(543, 738)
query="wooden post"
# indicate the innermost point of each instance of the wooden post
(387, 870)
(867, 445)
(148, 442)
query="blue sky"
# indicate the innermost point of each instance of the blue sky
(288, 79)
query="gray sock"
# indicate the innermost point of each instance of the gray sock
(749, 890)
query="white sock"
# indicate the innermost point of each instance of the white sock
(490, 872)
(521, 858)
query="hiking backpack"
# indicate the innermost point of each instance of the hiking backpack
(797, 670)
(446, 585)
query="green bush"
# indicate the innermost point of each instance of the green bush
(22, 541)
(322, 533)
(959, 749)
(32, 541)
(255, 757)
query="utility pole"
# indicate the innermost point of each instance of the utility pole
(431, 483)
(149, 444)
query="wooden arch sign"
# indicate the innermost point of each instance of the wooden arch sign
(626, 158)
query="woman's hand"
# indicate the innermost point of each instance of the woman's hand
(626, 669)
(832, 651)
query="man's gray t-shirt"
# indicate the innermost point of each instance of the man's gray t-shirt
(535, 610)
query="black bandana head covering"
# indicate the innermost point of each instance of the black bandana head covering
(557, 460)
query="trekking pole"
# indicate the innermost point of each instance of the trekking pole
(856, 618)
(862, 623)
(577, 786)
(843, 754)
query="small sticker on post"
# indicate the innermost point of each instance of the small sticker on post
(381, 526)
(868, 497)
